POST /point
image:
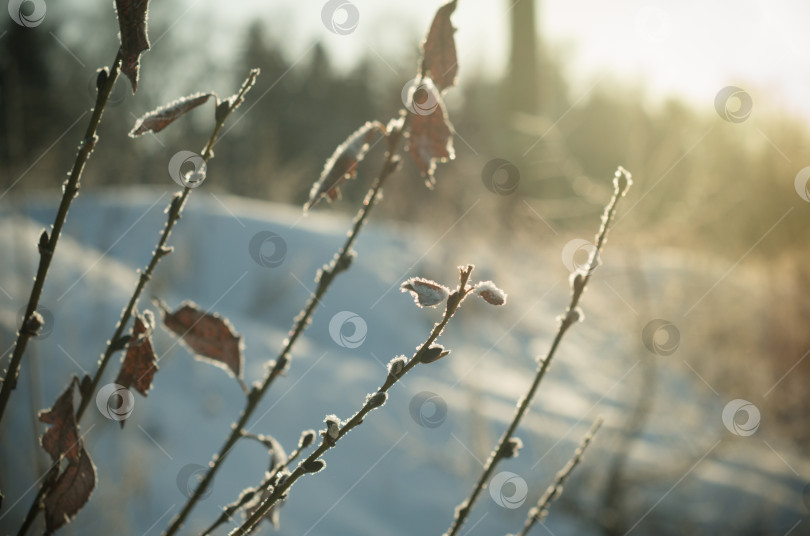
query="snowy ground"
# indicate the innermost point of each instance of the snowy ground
(394, 475)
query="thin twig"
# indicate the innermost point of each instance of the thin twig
(453, 302)
(555, 489)
(231, 509)
(325, 277)
(572, 315)
(47, 244)
(613, 496)
(174, 211)
(36, 505)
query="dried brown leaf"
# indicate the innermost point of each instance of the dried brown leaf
(73, 486)
(160, 118)
(439, 60)
(342, 164)
(140, 362)
(63, 437)
(70, 492)
(278, 456)
(208, 335)
(431, 137)
(132, 22)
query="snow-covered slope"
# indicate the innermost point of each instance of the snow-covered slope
(406, 468)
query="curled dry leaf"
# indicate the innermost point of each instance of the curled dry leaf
(71, 491)
(140, 362)
(490, 293)
(278, 460)
(132, 22)
(63, 437)
(256, 502)
(278, 457)
(439, 60)
(208, 335)
(343, 163)
(426, 293)
(431, 136)
(76, 482)
(160, 118)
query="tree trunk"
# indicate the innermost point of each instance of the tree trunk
(522, 88)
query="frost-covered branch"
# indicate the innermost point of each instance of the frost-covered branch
(555, 489)
(32, 321)
(336, 429)
(579, 280)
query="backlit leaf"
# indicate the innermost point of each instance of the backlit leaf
(140, 362)
(63, 437)
(342, 164)
(271, 516)
(70, 492)
(439, 60)
(160, 118)
(431, 137)
(73, 486)
(208, 335)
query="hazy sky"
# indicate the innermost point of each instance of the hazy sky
(691, 48)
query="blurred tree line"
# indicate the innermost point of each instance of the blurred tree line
(708, 183)
(701, 182)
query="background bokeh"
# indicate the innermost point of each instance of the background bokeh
(704, 103)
